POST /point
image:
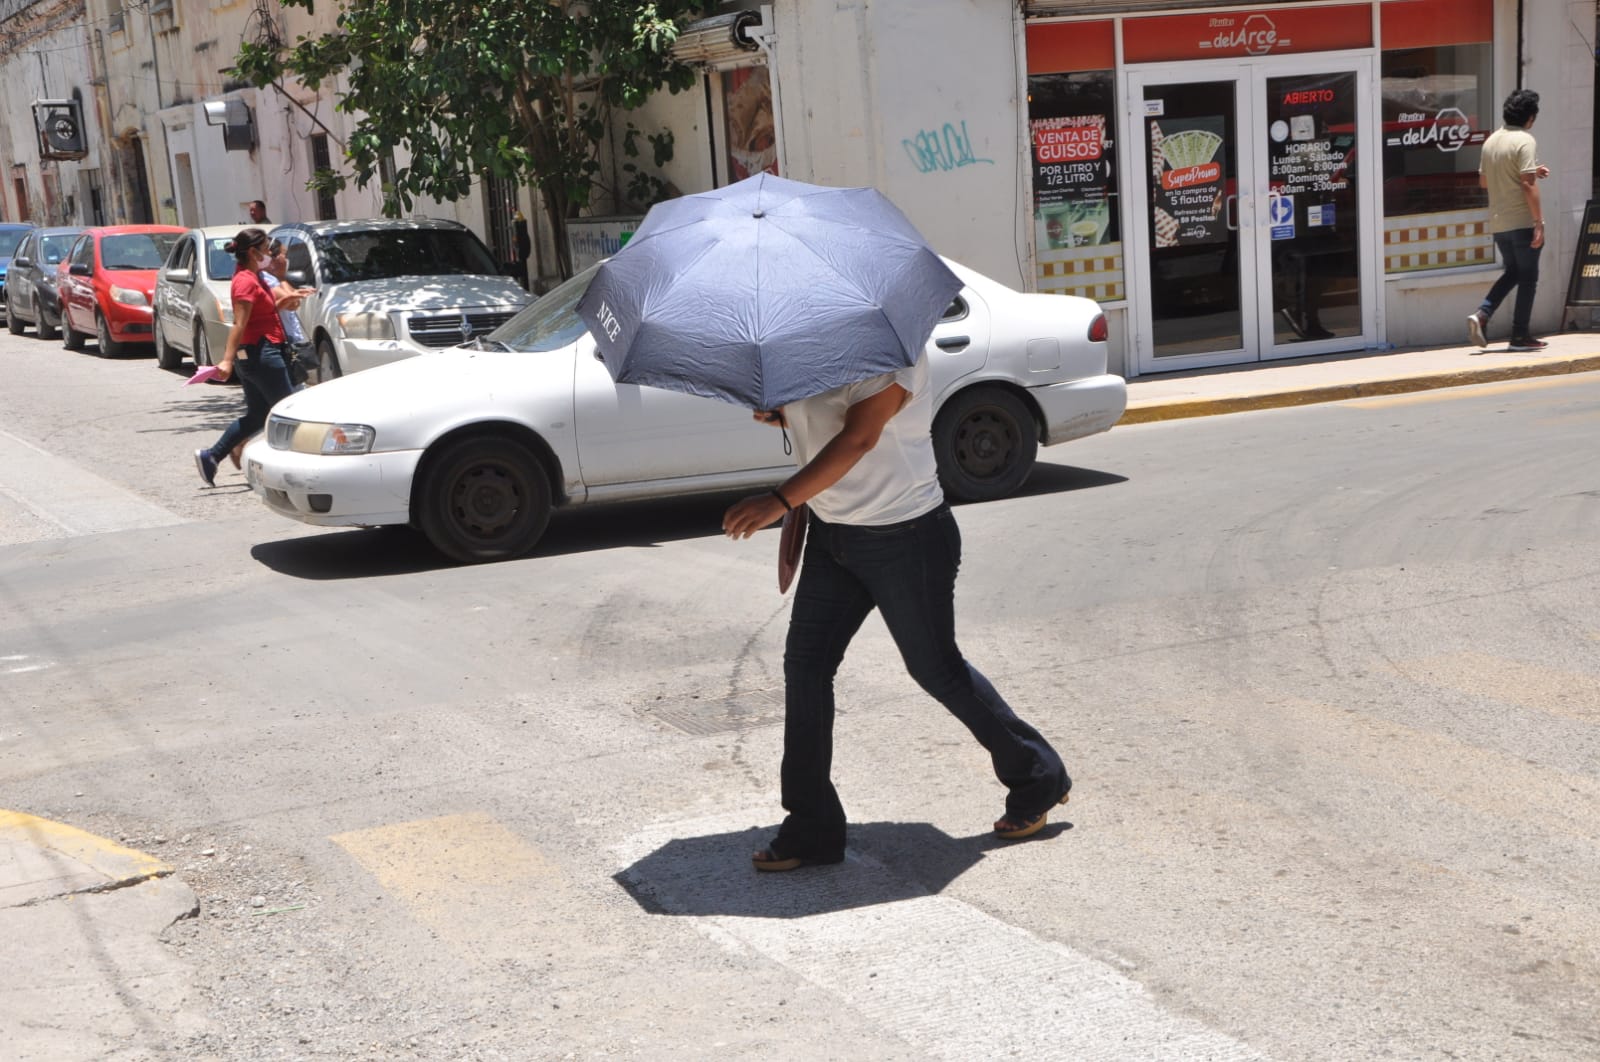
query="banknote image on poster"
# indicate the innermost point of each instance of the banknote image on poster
(1186, 180)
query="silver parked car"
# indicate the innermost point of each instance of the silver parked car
(194, 307)
(388, 289)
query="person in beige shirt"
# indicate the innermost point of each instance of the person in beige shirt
(1510, 172)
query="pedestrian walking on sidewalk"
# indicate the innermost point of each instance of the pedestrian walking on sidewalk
(254, 347)
(1511, 172)
(881, 536)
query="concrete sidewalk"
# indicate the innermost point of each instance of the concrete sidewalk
(86, 976)
(1336, 377)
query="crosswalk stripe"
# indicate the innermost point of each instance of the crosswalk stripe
(1563, 693)
(947, 978)
(68, 498)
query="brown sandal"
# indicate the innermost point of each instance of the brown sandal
(1010, 829)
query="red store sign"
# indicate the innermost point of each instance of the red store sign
(1240, 34)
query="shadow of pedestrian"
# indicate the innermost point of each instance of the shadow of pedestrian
(885, 862)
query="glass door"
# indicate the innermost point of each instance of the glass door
(1249, 208)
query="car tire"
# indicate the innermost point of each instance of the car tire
(104, 344)
(47, 328)
(202, 347)
(167, 356)
(14, 324)
(327, 361)
(483, 498)
(71, 338)
(985, 440)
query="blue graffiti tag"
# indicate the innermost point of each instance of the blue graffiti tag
(942, 149)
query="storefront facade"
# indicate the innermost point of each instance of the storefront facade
(1245, 184)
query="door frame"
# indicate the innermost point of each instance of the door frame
(1249, 77)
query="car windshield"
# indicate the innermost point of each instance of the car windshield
(551, 322)
(9, 238)
(219, 263)
(376, 254)
(137, 250)
(52, 249)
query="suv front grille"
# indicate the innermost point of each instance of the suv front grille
(444, 329)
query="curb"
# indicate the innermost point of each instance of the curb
(41, 859)
(1174, 409)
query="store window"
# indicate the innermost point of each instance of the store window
(1072, 124)
(1439, 106)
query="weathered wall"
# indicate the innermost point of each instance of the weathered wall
(44, 54)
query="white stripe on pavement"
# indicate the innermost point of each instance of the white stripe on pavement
(934, 971)
(68, 498)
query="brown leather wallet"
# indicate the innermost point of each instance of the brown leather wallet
(791, 544)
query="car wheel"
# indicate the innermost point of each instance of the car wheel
(47, 328)
(108, 347)
(166, 356)
(14, 324)
(71, 338)
(986, 441)
(202, 347)
(483, 499)
(327, 361)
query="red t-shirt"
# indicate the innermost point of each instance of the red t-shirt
(264, 322)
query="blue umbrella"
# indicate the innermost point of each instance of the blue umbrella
(766, 292)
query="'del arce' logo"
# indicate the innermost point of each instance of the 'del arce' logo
(1258, 35)
(1452, 129)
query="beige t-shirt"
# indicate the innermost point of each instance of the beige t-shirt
(1509, 152)
(898, 478)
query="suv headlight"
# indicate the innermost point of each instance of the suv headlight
(366, 326)
(313, 437)
(128, 296)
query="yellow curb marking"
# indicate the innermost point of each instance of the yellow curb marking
(116, 862)
(1169, 409)
(1452, 394)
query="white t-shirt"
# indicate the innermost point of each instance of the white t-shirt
(897, 479)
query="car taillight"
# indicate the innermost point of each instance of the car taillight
(1098, 331)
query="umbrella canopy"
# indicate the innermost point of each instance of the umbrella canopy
(766, 292)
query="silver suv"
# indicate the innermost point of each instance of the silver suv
(387, 289)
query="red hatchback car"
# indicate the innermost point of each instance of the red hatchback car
(107, 284)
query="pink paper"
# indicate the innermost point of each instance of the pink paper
(202, 374)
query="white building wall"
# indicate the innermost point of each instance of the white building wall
(49, 59)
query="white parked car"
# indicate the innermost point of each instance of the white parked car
(392, 288)
(476, 445)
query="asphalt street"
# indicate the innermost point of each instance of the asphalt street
(1327, 679)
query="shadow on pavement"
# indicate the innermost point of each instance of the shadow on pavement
(1058, 479)
(885, 862)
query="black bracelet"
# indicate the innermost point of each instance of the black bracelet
(776, 493)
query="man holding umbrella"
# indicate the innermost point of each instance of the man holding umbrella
(812, 306)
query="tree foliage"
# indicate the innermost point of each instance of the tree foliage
(519, 89)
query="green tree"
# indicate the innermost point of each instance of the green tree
(519, 89)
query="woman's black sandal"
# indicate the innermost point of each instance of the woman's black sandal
(1009, 829)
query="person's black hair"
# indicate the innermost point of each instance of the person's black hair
(274, 247)
(1521, 107)
(242, 244)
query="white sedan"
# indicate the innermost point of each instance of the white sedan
(476, 445)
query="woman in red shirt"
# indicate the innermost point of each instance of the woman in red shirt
(255, 348)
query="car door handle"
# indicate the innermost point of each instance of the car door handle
(953, 343)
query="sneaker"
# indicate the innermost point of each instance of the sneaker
(1528, 343)
(207, 466)
(1475, 329)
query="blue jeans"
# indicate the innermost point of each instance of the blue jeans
(265, 378)
(1521, 272)
(908, 572)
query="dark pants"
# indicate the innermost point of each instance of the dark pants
(1521, 272)
(264, 375)
(908, 572)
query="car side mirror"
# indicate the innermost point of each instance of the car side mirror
(298, 278)
(180, 276)
(80, 269)
(21, 262)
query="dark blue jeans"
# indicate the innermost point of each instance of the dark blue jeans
(908, 572)
(1521, 272)
(264, 375)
